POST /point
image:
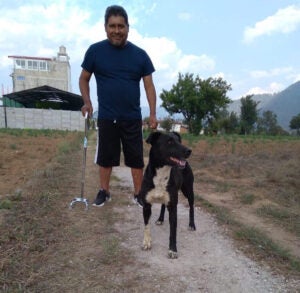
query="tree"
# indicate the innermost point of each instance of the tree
(230, 123)
(249, 114)
(167, 123)
(295, 123)
(196, 99)
(268, 123)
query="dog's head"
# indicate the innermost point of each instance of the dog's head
(166, 149)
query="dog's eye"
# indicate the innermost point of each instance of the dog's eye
(170, 141)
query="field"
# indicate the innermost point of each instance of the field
(253, 185)
(249, 185)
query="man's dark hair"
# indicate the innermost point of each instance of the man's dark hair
(115, 10)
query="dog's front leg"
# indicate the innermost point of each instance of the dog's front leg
(192, 225)
(188, 191)
(160, 220)
(172, 208)
(147, 232)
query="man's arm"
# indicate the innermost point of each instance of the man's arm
(84, 86)
(151, 97)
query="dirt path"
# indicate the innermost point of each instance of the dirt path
(208, 260)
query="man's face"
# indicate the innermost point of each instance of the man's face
(117, 30)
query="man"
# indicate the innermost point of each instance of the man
(118, 66)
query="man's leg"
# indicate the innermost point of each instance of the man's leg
(105, 173)
(137, 178)
(103, 194)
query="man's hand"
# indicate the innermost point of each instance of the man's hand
(87, 108)
(153, 122)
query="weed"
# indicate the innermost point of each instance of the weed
(233, 148)
(247, 198)
(283, 217)
(6, 204)
(258, 183)
(261, 241)
(222, 187)
(111, 250)
(222, 214)
(13, 146)
(17, 196)
(64, 148)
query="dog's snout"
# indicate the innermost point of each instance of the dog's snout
(188, 153)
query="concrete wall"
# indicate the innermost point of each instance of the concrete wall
(41, 119)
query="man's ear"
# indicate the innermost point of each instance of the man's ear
(153, 137)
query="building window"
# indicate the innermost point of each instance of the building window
(43, 65)
(20, 77)
(20, 64)
(35, 65)
(32, 65)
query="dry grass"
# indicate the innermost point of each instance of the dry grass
(39, 231)
(236, 179)
(33, 224)
(258, 179)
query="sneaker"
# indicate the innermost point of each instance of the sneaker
(101, 198)
(137, 200)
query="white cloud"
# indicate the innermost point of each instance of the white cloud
(272, 88)
(169, 60)
(195, 64)
(41, 29)
(283, 21)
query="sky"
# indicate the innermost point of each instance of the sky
(253, 44)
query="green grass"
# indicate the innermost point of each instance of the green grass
(13, 146)
(34, 132)
(247, 198)
(6, 204)
(282, 216)
(262, 243)
(222, 214)
(222, 187)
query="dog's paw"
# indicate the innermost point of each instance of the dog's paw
(192, 227)
(146, 245)
(172, 254)
(147, 238)
(159, 223)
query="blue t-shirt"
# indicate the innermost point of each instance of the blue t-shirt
(118, 72)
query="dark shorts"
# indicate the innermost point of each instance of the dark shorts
(114, 136)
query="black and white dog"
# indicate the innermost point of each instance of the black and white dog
(167, 172)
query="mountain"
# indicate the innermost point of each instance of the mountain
(284, 104)
(161, 113)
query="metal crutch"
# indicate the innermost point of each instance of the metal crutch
(85, 141)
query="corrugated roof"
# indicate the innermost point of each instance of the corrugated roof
(28, 57)
(60, 99)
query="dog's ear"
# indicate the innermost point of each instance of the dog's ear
(153, 137)
(178, 135)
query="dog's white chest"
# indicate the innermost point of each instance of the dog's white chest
(159, 194)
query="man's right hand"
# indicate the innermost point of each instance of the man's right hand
(87, 108)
